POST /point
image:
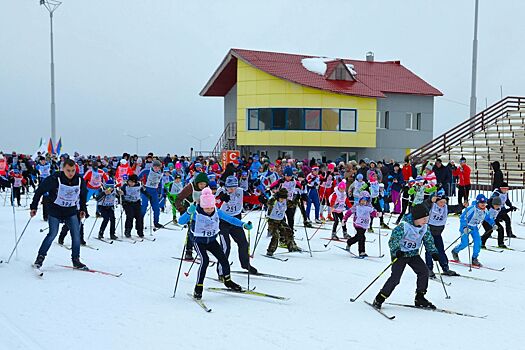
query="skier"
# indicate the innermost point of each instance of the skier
(338, 203)
(231, 196)
(469, 222)
(507, 207)
(130, 193)
(67, 191)
(172, 190)
(150, 178)
(495, 207)
(313, 180)
(404, 244)
(362, 212)
(293, 187)
(204, 221)
(106, 204)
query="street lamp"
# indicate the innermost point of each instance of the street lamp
(200, 140)
(137, 138)
(51, 6)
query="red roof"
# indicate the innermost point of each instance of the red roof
(373, 78)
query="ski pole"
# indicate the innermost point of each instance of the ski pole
(44, 229)
(308, 241)
(315, 232)
(442, 283)
(250, 265)
(375, 279)
(14, 218)
(469, 257)
(180, 267)
(150, 222)
(191, 266)
(92, 227)
(379, 240)
(18, 241)
(331, 239)
(457, 239)
(156, 229)
(258, 237)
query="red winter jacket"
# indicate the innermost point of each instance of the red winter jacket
(463, 174)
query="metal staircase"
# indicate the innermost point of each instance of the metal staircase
(497, 133)
(227, 140)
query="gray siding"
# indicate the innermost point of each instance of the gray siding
(393, 142)
(230, 106)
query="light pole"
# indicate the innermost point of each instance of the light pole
(200, 140)
(51, 6)
(474, 63)
(137, 138)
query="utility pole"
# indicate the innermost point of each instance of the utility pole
(474, 64)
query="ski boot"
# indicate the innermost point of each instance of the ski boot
(330, 218)
(39, 261)
(307, 224)
(475, 262)
(502, 246)
(127, 234)
(269, 253)
(174, 220)
(83, 243)
(455, 256)
(113, 236)
(197, 292)
(231, 285)
(346, 235)
(371, 230)
(334, 236)
(450, 273)
(252, 270)
(511, 235)
(294, 248)
(379, 300)
(61, 240)
(431, 274)
(319, 222)
(101, 235)
(78, 265)
(363, 255)
(157, 225)
(483, 246)
(322, 217)
(140, 234)
(384, 226)
(188, 255)
(421, 301)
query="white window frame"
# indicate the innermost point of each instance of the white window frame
(415, 121)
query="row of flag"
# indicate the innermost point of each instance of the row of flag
(48, 147)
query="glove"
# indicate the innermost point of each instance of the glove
(192, 209)
(225, 197)
(262, 198)
(281, 180)
(435, 257)
(513, 208)
(399, 254)
(248, 225)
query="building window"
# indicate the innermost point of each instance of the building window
(347, 120)
(312, 119)
(279, 119)
(413, 122)
(295, 119)
(253, 119)
(330, 119)
(382, 119)
(265, 119)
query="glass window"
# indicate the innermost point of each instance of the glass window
(295, 119)
(279, 118)
(330, 119)
(418, 121)
(312, 119)
(408, 121)
(387, 119)
(382, 119)
(253, 119)
(265, 119)
(413, 122)
(348, 119)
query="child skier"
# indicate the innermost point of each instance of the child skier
(469, 222)
(356, 187)
(439, 210)
(338, 203)
(204, 221)
(313, 180)
(375, 195)
(150, 179)
(404, 243)
(277, 226)
(363, 212)
(17, 182)
(293, 187)
(326, 188)
(172, 189)
(503, 215)
(130, 193)
(106, 203)
(495, 207)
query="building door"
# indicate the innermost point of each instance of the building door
(317, 155)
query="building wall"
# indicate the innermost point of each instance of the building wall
(396, 141)
(230, 106)
(257, 89)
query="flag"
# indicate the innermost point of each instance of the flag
(59, 146)
(50, 149)
(42, 149)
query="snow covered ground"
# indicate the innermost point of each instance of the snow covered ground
(73, 309)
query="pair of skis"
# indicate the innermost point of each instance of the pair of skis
(360, 257)
(68, 247)
(450, 312)
(40, 273)
(477, 267)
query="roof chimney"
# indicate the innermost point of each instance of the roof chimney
(370, 56)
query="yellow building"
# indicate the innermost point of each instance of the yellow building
(302, 106)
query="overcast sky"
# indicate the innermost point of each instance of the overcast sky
(138, 66)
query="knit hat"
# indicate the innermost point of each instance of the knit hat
(315, 168)
(481, 198)
(282, 193)
(212, 185)
(178, 165)
(359, 177)
(207, 199)
(331, 166)
(110, 183)
(504, 184)
(177, 176)
(201, 177)
(231, 181)
(134, 178)
(496, 200)
(198, 165)
(341, 186)
(428, 167)
(156, 162)
(364, 195)
(288, 171)
(419, 211)
(244, 173)
(123, 161)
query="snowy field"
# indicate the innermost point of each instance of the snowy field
(69, 309)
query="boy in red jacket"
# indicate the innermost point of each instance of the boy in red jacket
(463, 174)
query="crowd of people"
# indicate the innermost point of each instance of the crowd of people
(210, 200)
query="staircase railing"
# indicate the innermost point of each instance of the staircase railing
(227, 140)
(468, 128)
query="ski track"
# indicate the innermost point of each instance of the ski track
(73, 309)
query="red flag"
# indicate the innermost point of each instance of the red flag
(50, 148)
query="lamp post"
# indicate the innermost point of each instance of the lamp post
(51, 6)
(474, 63)
(137, 138)
(200, 140)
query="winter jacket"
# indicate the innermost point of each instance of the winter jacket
(463, 174)
(443, 174)
(497, 180)
(397, 238)
(396, 186)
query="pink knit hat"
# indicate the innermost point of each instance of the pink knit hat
(178, 165)
(207, 199)
(342, 186)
